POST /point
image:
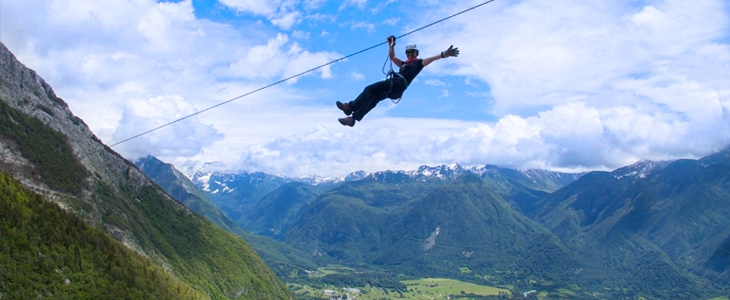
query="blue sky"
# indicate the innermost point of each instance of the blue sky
(562, 85)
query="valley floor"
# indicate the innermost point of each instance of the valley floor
(427, 288)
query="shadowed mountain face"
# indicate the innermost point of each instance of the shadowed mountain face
(274, 213)
(668, 225)
(428, 228)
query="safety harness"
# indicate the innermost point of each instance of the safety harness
(392, 75)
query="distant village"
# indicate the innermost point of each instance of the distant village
(347, 291)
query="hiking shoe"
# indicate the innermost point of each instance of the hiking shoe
(345, 107)
(349, 121)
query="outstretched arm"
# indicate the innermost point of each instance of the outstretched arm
(449, 52)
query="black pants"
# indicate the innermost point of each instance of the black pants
(392, 88)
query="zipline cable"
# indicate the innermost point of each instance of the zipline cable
(293, 76)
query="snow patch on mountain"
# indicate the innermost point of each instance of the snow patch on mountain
(639, 170)
(204, 181)
(213, 180)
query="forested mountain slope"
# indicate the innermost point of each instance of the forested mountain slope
(280, 257)
(665, 227)
(51, 151)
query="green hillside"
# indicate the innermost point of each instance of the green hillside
(281, 258)
(433, 228)
(523, 189)
(466, 224)
(651, 235)
(182, 189)
(197, 251)
(345, 223)
(46, 252)
(273, 214)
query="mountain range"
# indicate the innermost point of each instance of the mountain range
(654, 229)
(670, 217)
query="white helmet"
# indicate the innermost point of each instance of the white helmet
(411, 47)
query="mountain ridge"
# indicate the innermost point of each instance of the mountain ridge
(621, 224)
(671, 213)
(282, 259)
(398, 220)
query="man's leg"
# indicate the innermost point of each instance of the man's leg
(368, 99)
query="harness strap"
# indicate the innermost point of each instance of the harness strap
(390, 76)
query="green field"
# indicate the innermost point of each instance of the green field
(429, 288)
(440, 288)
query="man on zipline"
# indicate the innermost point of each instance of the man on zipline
(394, 86)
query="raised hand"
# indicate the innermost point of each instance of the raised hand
(451, 52)
(391, 41)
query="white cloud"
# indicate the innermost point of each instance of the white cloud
(185, 139)
(572, 137)
(298, 34)
(391, 21)
(435, 82)
(282, 13)
(357, 76)
(266, 8)
(360, 4)
(278, 58)
(286, 21)
(538, 52)
(354, 25)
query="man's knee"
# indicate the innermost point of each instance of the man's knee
(370, 89)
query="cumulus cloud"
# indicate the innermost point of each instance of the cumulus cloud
(281, 13)
(572, 137)
(286, 21)
(580, 49)
(279, 58)
(185, 139)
